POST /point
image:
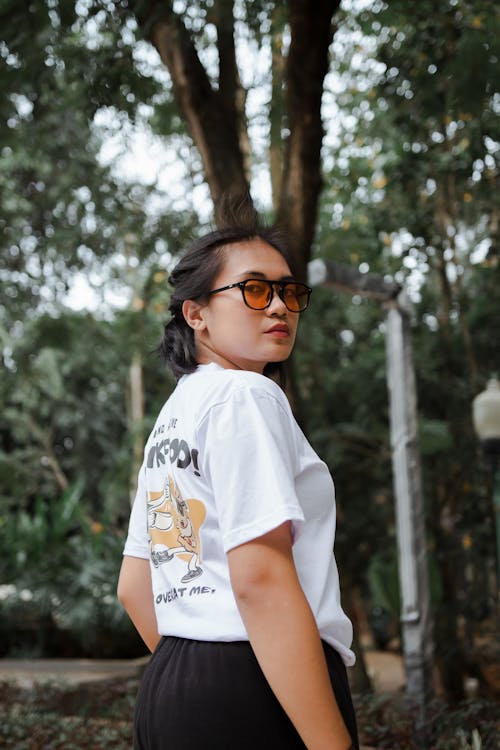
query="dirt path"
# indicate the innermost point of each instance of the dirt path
(384, 668)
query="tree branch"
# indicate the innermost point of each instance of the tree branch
(209, 115)
(347, 279)
(231, 92)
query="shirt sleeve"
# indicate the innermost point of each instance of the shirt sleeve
(137, 542)
(250, 460)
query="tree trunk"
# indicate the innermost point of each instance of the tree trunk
(359, 678)
(215, 116)
(212, 115)
(311, 32)
(232, 93)
(276, 105)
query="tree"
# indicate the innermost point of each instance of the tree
(403, 185)
(411, 194)
(58, 204)
(64, 212)
(212, 105)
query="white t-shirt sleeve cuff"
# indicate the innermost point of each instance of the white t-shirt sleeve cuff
(137, 543)
(132, 550)
(252, 531)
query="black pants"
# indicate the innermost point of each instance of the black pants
(200, 695)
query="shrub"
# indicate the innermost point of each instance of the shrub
(59, 572)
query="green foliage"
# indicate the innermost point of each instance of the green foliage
(99, 714)
(58, 574)
(58, 716)
(463, 743)
(411, 186)
(53, 395)
(412, 192)
(65, 420)
(384, 584)
(388, 721)
(340, 372)
(434, 436)
(70, 80)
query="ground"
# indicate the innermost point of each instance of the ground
(88, 705)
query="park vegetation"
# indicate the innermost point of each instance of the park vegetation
(370, 130)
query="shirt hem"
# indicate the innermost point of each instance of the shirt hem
(131, 552)
(264, 526)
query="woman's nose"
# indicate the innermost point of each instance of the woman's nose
(276, 306)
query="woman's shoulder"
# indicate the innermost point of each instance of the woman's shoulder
(224, 377)
(220, 385)
(248, 379)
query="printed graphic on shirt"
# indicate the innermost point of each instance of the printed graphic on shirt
(174, 529)
(174, 450)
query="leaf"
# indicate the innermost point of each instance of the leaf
(434, 436)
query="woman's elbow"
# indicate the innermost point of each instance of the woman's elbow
(122, 591)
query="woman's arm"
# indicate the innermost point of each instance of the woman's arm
(285, 638)
(135, 593)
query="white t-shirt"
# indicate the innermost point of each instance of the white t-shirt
(225, 463)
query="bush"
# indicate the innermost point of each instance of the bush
(389, 722)
(99, 715)
(59, 571)
(96, 715)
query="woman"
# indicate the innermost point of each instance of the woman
(228, 572)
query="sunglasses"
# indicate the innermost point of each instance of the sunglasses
(258, 293)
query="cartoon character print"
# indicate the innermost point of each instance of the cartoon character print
(173, 526)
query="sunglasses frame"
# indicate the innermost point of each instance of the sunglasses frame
(271, 285)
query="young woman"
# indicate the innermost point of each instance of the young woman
(228, 570)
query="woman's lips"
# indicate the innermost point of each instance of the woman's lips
(280, 331)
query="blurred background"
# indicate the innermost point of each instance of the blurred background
(371, 131)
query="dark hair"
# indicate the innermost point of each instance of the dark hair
(193, 277)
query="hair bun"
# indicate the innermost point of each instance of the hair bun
(236, 209)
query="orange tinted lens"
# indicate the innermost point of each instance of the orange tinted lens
(257, 294)
(295, 296)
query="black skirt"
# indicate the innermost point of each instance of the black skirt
(206, 695)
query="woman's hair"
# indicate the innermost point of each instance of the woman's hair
(193, 277)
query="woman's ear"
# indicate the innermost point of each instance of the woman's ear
(193, 314)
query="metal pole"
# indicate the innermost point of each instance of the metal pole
(413, 573)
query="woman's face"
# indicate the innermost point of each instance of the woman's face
(232, 334)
